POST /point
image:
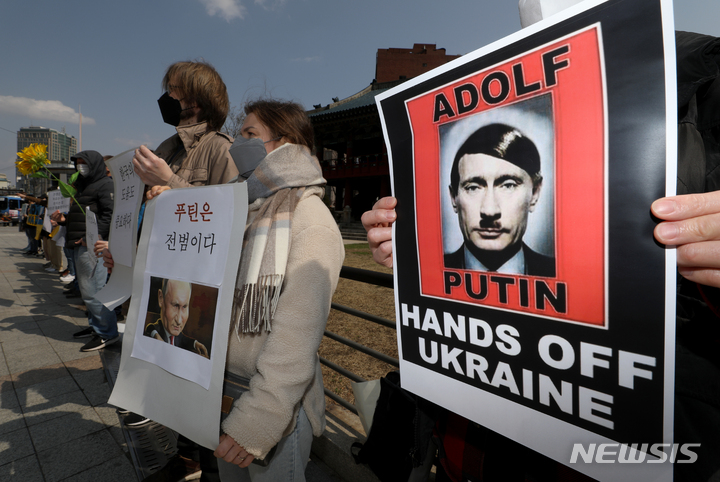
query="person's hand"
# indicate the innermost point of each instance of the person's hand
(378, 224)
(80, 242)
(152, 169)
(202, 351)
(155, 191)
(108, 261)
(692, 223)
(231, 452)
(99, 247)
(58, 217)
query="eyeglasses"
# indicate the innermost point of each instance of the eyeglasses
(173, 88)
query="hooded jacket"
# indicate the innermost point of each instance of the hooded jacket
(95, 192)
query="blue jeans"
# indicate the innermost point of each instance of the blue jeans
(32, 242)
(288, 464)
(70, 260)
(102, 320)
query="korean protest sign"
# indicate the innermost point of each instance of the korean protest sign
(176, 335)
(531, 297)
(127, 201)
(56, 202)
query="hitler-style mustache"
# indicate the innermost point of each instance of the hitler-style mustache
(491, 223)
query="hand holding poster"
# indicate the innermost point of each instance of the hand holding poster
(176, 335)
(530, 295)
(56, 202)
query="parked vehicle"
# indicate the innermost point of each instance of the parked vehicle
(10, 207)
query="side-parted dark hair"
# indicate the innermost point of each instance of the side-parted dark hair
(503, 142)
(200, 84)
(283, 118)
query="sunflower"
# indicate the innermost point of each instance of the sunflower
(25, 167)
(35, 155)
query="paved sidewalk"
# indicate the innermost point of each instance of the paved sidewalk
(55, 424)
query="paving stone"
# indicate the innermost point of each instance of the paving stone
(26, 469)
(17, 346)
(8, 397)
(47, 390)
(73, 458)
(97, 394)
(90, 378)
(67, 344)
(118, 469)
(45, 410)
(32, 358)
(66, 428)
(15, 316)
(20, 331)
(15, 445)
(70, 355)
(58, 328)
(84, 364)
(11, 419)
(39, 375)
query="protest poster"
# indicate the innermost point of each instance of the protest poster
(56, 202)
(177, 327)
(531, 297)
(127, 200)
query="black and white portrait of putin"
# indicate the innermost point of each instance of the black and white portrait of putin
(495, 185)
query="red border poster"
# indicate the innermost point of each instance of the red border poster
(531, 297)
(558, 90)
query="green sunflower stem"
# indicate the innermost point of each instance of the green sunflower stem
(71, 194)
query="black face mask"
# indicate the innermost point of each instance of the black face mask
(170, 109)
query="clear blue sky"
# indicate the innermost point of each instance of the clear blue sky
(109, 57)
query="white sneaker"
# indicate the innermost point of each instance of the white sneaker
(51, 270)
(67, 278)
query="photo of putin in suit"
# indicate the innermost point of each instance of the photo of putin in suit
(495, 183)
(174, 300)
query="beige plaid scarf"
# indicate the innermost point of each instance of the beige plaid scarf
(274, 189)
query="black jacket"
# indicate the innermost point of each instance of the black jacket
(536, 264)
(95, 191)
(697, 362)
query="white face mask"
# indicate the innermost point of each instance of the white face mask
(83, 169)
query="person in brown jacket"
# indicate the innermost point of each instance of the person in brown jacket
(196, 103)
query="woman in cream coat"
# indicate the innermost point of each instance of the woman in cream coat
(292, 255)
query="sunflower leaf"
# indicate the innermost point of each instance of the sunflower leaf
(39, 174)
(74, 177)
(67, 190)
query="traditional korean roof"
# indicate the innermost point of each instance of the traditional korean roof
(364, 98)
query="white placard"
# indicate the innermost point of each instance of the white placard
(191, 235)
(91, 233)
(128, 199)
(156, 384)
(56, 202)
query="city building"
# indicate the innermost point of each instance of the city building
(61, 147)
(348, 134)
(4, 183)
